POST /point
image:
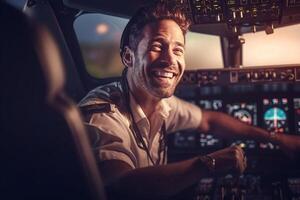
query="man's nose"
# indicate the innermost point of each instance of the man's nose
(168, 57)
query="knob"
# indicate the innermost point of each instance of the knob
(283, 75)
(241, 14)
(233, 15)
(248, 76)
(235, 29)
(254, 29)
(267, 75)
(291, 77)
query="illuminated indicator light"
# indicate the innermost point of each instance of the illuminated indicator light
(275, 101)
(242, 145)
(266, 101)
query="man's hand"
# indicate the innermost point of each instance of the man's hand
(229, 160)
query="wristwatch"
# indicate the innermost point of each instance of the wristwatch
(209, 162)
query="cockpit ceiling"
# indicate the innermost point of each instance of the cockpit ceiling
(218, 17)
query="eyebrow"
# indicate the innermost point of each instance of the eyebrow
(180, 44)
(160, 38)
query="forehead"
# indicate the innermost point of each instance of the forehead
(165, 29)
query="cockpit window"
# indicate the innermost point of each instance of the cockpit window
(280, 48)
(99, 37)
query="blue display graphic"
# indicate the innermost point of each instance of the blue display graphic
(276, 119)
(275, 115)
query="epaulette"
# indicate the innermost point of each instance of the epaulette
(97, 108)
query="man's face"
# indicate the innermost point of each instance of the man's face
(159, 59)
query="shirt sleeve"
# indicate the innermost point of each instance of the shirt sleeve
(183, 115)
(114, 138)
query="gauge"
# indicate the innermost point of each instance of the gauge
(244, 116)
(275, 119)
(275, 115)
(245, 112)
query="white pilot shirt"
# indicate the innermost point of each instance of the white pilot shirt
(117, 140)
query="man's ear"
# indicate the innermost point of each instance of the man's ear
(127, 57)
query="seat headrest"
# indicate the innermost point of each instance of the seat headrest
(51, 61)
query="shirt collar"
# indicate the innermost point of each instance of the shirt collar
(138, 113)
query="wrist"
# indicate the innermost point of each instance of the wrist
(209, 163)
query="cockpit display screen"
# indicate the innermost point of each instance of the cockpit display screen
(247, 113)
(275, 115)
(275, 118)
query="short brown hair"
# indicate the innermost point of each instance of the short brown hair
(158, 11)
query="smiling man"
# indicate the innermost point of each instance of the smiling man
(134, 115)
(159, 60)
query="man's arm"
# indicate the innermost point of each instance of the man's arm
(225, 126)
(163, 181)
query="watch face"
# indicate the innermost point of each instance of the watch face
(209, 162)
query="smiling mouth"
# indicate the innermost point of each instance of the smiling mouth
(164, 74)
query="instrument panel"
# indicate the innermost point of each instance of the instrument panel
(267, 97)
(232, 17)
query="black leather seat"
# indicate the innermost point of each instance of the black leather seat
(45, 153)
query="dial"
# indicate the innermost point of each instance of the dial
(275, 115)
(275, 119)
(245, 112)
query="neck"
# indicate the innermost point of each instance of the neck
(147, 101)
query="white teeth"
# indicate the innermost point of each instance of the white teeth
(164, 74)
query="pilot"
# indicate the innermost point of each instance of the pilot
(135, 114)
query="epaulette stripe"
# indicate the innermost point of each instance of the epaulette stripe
(97, 108)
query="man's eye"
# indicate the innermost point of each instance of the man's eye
(156, 47)
(178, 51)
